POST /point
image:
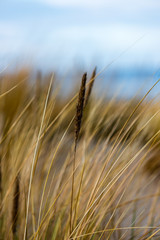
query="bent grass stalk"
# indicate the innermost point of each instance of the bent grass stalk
(34, 157)
(116, 229)
(17, 120)
(13, 88)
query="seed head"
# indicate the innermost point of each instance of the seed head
(88, 93)
(80, 105)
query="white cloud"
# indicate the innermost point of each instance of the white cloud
(8, 30)
(117, 4)
(103, 39)
(74, 3)
(86, 38)
(12, 38)
(108, 41)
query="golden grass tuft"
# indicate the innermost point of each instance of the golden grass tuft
(93, 171)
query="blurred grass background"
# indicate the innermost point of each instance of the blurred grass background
(116, 193)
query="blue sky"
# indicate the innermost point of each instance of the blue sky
(50, 34)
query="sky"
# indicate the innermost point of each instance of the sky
(58, 34)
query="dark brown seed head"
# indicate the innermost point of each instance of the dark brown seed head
(80, 105)
(88, 93)
(15, 209)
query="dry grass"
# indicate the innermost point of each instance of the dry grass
(100, 181)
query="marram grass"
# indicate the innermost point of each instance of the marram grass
(81, 168)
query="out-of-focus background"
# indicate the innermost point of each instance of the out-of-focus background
(69, 35)
(79, 162)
